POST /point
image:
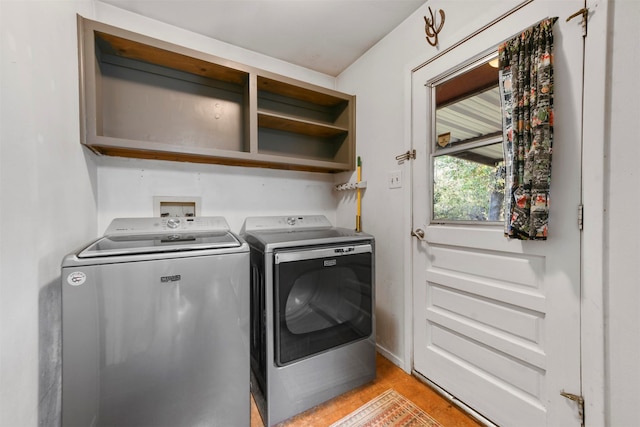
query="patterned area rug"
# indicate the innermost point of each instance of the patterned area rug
(390, 409)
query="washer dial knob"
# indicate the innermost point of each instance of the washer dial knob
(173, 223)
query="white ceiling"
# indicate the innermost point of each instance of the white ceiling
(322, 35)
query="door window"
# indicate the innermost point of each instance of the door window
(467, 156)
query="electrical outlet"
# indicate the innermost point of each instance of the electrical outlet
(394, 179)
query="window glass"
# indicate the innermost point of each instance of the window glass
(467, 190)
(467, 156)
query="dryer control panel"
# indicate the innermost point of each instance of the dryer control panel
(291, 222)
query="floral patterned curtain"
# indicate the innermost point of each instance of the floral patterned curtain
(526, 89)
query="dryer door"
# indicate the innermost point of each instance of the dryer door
(323, 299)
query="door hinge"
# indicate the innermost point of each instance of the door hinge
(580, 216)
(584, 12)
(579, 400)
(409, 155)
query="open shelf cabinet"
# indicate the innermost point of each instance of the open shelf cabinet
(146, 98)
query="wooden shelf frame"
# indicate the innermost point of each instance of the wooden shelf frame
(146, 98)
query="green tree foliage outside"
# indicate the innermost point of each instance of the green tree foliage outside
(466, 191)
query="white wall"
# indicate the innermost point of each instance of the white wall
(48, 204)
(622, 195)
(126, 188)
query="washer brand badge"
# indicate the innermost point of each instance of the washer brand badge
(329, 262)
(174, 278)
(76, 278)
(344, 250)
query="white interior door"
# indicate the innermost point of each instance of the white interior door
(497, 321)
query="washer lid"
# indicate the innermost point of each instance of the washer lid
(133, 236)
(155, 243)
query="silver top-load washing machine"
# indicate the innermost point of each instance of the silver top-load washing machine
(312, 312)
(155, 326)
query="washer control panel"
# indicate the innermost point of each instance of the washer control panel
(136, 226)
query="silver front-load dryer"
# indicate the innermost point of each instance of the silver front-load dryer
(155, 324)
(312, 312)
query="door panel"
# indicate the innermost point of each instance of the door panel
(497, 321)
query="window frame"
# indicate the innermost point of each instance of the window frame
(472, 143)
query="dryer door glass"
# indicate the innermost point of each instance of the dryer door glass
(321, 303)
